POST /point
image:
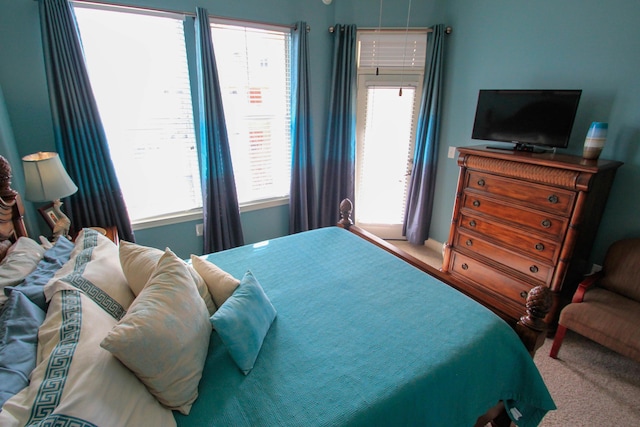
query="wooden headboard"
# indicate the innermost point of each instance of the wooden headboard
(11, 208)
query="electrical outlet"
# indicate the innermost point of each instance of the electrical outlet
(199, 229)
(452, 152)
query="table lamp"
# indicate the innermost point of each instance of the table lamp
(47, 180)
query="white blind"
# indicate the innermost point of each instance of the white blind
(254, 71)
(392, 49)
(137, 65)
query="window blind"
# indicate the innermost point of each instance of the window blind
(392, 49)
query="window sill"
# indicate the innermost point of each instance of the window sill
(196, 214)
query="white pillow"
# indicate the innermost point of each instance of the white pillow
(164, 336)
(21, 259)
(94, 268)
(138, 263)
(76, 380)
(220, 283)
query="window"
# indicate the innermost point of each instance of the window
(390, 74)
(137, 64)
(253, 66)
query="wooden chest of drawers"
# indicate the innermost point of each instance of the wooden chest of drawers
(521, 220)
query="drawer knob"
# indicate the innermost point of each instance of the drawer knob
(523, 294)
(469, 242)
(546, 223)
(539, 247)
(472, 223)
(481, 182)
(476, 203)
(533, 269)
(465, 266)
(553, 199)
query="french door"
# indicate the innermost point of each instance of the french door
(387, 108)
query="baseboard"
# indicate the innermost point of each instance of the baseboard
(434, 245)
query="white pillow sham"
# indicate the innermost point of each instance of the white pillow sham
(76, 380)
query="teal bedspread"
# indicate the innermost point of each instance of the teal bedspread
(363, 339)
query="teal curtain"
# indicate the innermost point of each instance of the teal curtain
(79, 135)
(222, 227)
(419, 205)
(302, 194)
(338, 179)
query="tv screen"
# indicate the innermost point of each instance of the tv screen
(526, 117)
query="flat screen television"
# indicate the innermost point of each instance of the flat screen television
(527, 118)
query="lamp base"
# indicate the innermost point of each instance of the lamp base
(62, 225)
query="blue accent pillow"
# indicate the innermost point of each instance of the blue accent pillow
(52, 260)
(19, 322)
(243, 321)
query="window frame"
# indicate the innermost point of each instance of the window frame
(402, 75)
(195, 214)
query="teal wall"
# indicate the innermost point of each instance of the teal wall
(585, 44)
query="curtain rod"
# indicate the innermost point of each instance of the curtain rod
(447, 30)
(178, 12)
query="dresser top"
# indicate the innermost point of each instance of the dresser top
(550, 159)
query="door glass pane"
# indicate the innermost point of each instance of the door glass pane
(386, 155)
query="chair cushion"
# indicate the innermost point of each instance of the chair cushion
(622, 268)
(608, 319)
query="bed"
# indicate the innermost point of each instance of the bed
(321, 328)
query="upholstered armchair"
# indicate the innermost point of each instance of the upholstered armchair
(606, 306)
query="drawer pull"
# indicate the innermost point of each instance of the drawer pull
(546, 223)
(472, 223)
(523, 294)
(469, 242)
(553, 199)
(533, 269)
(476, 203)
(481, 182)
(539, 247)
(465, 266)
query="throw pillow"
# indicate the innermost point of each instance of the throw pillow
(243, 322)
(164, 336)
(220, 283)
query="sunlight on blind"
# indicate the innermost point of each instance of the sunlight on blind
(384, 169)
(138, 70)
(253, 66)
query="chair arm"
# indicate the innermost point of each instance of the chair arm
(587, 283)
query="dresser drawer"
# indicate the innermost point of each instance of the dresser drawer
(503, 235)
(549, 199)
(525, 265)
(494, 280)
(551, 225)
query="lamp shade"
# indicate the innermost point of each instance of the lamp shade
(46, 179)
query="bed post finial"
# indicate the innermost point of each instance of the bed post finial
(532, 327)
(5, 178)
(345, 214)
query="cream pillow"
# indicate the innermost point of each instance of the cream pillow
(94, 268)
(78, 381)
(164, 336)
(138, 262)
(220, 283)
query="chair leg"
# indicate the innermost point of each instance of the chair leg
(557, 341)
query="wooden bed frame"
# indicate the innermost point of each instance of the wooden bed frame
(11, 208)
(531, 327)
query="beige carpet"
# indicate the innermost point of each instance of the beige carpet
(591, 385)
